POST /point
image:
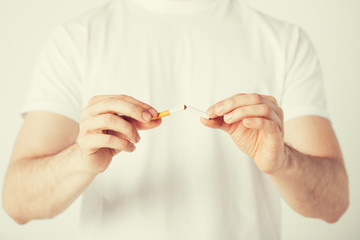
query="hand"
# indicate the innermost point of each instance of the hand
(255, 124)
(109, 125)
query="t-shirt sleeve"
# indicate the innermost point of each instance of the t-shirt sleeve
(58, 73)
(303, 92)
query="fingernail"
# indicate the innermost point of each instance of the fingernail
(146, 116)
(153, 113)
(138, 138)
(228, 117)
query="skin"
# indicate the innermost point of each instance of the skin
(302, 157)
(55, 158)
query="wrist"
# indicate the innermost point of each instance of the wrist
(82, 163)
(284, 162)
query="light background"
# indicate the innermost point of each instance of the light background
(333, 26)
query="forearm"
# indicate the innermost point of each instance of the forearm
(313, 186)
(42, 188)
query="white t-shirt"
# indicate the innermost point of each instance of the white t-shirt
(184, 181)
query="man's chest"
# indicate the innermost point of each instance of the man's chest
(169, 64)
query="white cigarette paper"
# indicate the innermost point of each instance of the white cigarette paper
(179, 109)
(202, 113)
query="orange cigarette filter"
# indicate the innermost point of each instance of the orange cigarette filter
(170, 111)
(163, 114)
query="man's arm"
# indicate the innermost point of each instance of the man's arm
(55, 159)
(45, 163)
(309, 174)
(313, 181)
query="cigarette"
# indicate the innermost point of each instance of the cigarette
(202, 113)
(170, 111)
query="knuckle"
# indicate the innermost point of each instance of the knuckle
(231, 102)
(130, 132)
(129, 97)
(134, 108)
(123, 143)
(134, 133)
(256, 98)
(109, 139)
(107, 119)
(266, 110)
(281, 112)
(273, 99)
(242, 111)
(127, 145)
(108, 104)
(123, 96)
(108, 101)
(261, 123)
(94, 99)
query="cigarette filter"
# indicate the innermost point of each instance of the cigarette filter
(170, 111)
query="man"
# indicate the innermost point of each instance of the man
(96, 86)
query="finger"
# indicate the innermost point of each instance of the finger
(119, 107)
(93, 142)
(261, 124)
(114, 123)
(260, 110)
(144, 126)
(215, 123)
(212, 122)
(236, 101)
(117, 134)
(272, 99)
(98, 98)
(275, 106)
(151, 110)
(247, 100)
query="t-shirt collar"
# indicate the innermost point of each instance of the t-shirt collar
(177, 6)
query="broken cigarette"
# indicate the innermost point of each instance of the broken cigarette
(170, 111)
(202, 113)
